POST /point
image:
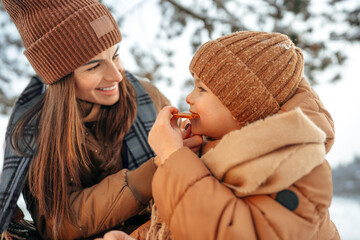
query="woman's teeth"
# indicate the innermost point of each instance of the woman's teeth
(107, 89)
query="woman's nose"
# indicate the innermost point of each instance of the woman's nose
(113, 73)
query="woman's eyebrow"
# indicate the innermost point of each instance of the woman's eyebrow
(100, 60)
(117, 49)
(93, 61)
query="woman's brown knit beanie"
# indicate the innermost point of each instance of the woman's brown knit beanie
(252, 73)
(61, 35)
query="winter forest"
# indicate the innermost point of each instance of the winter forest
(159, 38)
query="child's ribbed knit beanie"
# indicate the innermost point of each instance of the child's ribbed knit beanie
(61, 35)
(252, 73)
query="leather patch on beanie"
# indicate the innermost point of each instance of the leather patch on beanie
(102, 26)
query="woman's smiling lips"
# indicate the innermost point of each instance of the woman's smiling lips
(108, 90)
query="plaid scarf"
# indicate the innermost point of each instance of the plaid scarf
(15, 168)
(135, 142)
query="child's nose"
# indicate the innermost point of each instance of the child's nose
(188, 99)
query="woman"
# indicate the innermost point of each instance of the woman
(77, 137)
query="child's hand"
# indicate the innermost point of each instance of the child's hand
(165, 136)
(116, 235)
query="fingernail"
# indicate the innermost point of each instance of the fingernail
(187, 125)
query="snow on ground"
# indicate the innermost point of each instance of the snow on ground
(344, 212)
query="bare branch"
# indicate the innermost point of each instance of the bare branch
(206, 19)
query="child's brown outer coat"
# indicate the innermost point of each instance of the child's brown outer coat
(196, 205)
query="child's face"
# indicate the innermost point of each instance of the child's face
(215, 119)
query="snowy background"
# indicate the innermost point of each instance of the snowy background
(342, 100)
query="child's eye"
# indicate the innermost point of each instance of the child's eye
(94, 67)
(201, 89)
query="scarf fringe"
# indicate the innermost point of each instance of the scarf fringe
(158, 229)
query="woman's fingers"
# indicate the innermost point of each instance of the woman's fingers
(116, 235)
(186, 129)
(195, 150)
(184, 123)
(193, 142)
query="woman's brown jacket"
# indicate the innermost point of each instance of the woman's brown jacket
(268, 180)
(112, 200)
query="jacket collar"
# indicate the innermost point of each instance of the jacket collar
(268, 155)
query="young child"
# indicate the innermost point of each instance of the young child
(261, 172)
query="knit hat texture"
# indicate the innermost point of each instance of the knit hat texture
(61, 35)
(252, 73)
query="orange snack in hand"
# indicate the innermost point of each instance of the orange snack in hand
(186, 115)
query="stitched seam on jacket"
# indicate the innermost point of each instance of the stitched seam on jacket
(183, 194)
(131, 190)
(248, 199)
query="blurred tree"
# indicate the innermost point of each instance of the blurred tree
(13, 64)
(346, 179)
(314, 26)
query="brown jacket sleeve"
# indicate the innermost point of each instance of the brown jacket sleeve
(195, 205)
(106, 204)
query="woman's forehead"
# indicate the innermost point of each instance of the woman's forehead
(110, 51)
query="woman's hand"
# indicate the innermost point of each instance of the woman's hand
(165, 136)
(116, 235)
(189, 140)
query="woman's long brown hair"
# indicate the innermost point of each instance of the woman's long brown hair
(61, 147)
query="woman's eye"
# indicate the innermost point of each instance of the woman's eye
(116, 56)
(94, 67)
